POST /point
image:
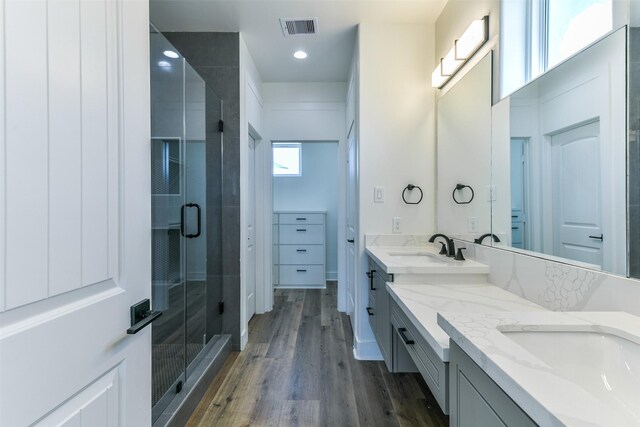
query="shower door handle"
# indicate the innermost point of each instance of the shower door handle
(182, 225)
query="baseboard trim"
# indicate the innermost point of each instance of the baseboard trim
(366, 350)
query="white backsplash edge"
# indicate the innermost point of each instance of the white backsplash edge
(412, 240)
(554, 285)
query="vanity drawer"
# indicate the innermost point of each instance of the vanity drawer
(434, 371)
(301, 254)
(291, 275)
(302, 218)
(301, 234)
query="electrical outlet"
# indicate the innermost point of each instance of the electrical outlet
(472, 224)
(397, 224)
(378, 194)
(491, 193)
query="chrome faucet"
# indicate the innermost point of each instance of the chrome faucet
(451, 249)
(484, 236)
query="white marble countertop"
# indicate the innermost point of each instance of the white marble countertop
(421, 303)
(391, 260)
(547, 394)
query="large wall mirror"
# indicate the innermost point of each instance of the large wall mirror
(464, 154)
(559, 161)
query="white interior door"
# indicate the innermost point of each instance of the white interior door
(75, 212)
(251, 214)
(577, 196)
(352, 218)
(518, 198)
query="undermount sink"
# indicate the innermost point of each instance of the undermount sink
(603, 364)
(419, 257)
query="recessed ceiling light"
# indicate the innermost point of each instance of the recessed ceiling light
(170, 54)
(300, 54)
(164, 64)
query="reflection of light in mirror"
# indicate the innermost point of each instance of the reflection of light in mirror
(474, 36)
(164, 64)
(437, 79)
(472, 39)
(450, 64)
(170, 54)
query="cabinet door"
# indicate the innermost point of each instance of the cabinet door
(475, 400)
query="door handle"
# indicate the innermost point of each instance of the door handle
(600, 237)
(369, 311)
(141, 316)
(406, 340)
(350, 240)
(182, 224)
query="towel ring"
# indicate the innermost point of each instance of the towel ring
(411, 187)
(461, 187)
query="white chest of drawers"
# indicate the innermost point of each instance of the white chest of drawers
(299, 249)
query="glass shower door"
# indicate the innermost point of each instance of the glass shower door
(167, 201)
(186, 167)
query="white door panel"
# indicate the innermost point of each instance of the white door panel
(352, 221)
(251, 251)
(75, 209)
(577, 194)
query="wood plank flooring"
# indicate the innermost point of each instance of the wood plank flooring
(298, 369)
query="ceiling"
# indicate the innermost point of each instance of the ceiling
(329, 51)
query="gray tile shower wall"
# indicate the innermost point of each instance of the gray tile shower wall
(216, 57)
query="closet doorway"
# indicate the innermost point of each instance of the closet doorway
(305, 213)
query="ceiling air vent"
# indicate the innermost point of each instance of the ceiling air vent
(299, 26)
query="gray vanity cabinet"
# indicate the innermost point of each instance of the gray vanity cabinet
(475, 400)
(408, 340)
(378, 310)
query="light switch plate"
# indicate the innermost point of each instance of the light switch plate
(378, 194)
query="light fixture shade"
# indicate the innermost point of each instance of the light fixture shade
(472, 39)
(449, 64)
(437, 79)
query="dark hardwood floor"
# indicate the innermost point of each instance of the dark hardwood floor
(298, 369)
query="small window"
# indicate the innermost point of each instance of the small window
(574, 24)
(287, 159)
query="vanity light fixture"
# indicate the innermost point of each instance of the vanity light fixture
(300, 54)
(170, 54)
(463, 49)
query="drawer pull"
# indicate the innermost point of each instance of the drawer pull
(301, 219)
(406, 340)
(369, 311)
(301, 271)
(301, 229)
(301, 250)
(370, 275)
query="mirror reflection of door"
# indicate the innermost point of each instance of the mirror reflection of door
(519, 195)
(576, 194)
(251, 253)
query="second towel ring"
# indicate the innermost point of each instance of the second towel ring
(411, 187)
(461, 187)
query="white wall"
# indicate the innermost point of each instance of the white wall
(396, 142)
(315, 190)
